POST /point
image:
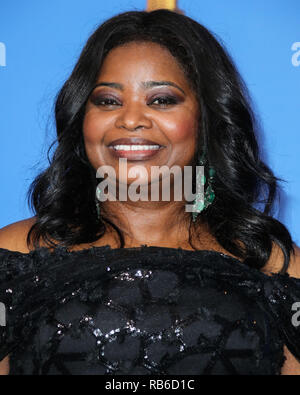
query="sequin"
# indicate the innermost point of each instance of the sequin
(97, 332)
(147, 310)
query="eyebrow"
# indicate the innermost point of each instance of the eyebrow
(146, 85)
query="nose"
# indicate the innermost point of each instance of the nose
(133, 117)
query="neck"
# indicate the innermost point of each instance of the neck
(151, 223)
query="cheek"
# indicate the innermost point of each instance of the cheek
(93, 134)
(182, 129)
(93, 128)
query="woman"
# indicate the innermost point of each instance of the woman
(147, 287)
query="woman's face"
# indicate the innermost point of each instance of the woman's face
(141, 93)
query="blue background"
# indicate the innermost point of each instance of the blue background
(43, 40)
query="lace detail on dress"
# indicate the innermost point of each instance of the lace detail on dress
(143, 310)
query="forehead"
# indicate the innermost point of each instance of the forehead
(141, 60)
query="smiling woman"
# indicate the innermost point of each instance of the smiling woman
(138, 105)
(138, 287)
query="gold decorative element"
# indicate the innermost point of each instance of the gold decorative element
(159, 4)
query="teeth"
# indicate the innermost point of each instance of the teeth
(135, 147)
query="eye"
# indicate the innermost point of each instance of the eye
(104, 101)
(164, 101)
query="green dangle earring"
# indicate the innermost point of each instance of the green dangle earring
(97, 200)
(203, 200)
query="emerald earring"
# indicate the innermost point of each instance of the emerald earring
(98, 194)
(203, 200)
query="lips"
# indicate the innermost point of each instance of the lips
(133, 141)
(120, 148)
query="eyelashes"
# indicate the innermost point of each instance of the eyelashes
(104, 101)
(159, 101)
(165, 100)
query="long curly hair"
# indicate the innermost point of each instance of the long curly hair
(63, 196)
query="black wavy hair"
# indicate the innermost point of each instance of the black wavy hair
(63, 196)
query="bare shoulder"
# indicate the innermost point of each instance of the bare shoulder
(4, 366)
(276, 260)
(294, 269)
(13, 236)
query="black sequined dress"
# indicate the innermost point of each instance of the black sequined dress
(143, 310)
